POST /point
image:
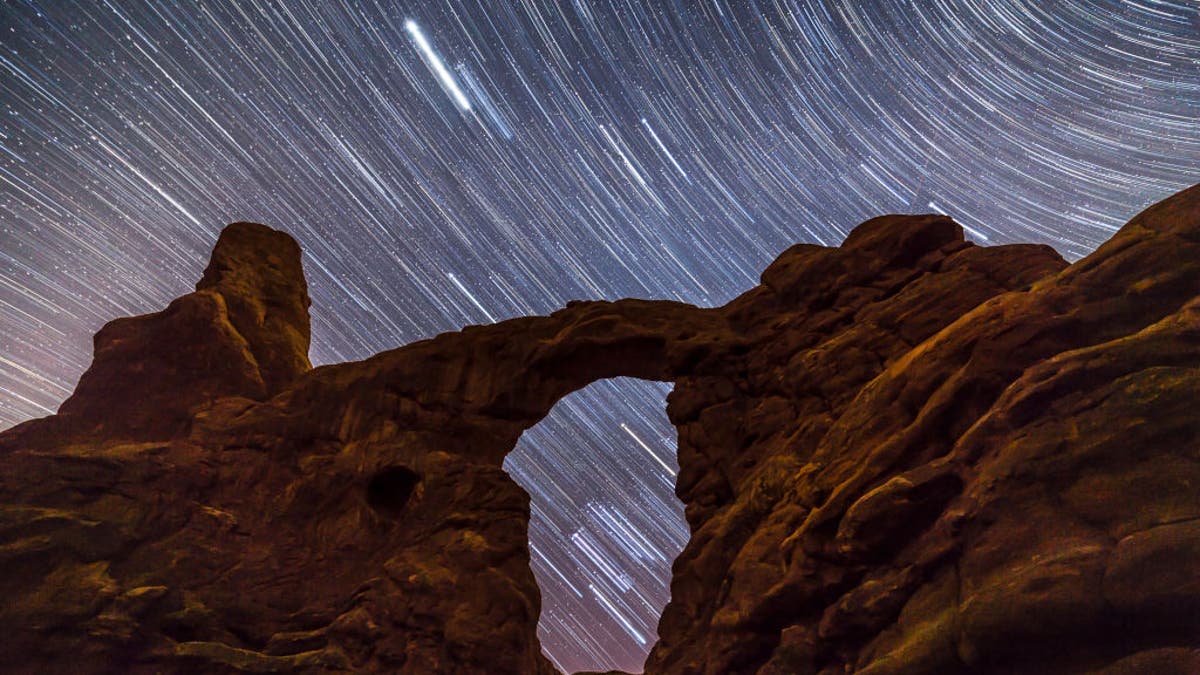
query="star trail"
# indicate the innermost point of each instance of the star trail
(466, 161)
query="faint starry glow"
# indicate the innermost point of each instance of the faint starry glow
(502, 157)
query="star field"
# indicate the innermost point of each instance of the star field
(466, 161)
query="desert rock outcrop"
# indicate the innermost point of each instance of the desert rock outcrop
(906, 454)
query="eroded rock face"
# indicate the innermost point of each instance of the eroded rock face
(908, 454)
(243, 332)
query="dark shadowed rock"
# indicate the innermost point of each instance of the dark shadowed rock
(908, 454)
(244, 332)
(257, 270)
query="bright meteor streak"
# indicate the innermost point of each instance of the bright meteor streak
(439, 68)
(647, 449)
(663, 147)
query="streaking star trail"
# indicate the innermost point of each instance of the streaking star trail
(435, 64)
(452, 162)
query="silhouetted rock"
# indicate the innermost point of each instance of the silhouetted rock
(243, 332)
(908, 454)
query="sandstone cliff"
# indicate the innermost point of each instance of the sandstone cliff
(908, 454)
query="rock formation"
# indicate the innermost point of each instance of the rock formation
(908, 454)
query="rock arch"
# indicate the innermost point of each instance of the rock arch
(874, 444)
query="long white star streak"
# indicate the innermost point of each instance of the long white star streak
(664, 149)
(436, 65)
(645, 447)
(481, 95)
(130, 131)
(154, 186)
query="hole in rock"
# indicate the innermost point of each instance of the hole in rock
(390, 489)
(605, 524)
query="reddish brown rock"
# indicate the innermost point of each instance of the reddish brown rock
(908, 454)
(243, 332)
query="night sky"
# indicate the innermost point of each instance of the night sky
(462, 162)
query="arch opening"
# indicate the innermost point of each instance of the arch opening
(605, 523)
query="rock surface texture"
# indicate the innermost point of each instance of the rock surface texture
(908, 454)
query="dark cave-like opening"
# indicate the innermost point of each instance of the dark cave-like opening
(390, 488)
(605, 526)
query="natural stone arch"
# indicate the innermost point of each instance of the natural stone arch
(443, 580)
(900, 455)
(456, 405)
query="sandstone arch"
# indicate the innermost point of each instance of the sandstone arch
(995, 392)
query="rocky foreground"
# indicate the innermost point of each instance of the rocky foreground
(908, 454)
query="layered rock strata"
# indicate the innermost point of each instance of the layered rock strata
(907, 454)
